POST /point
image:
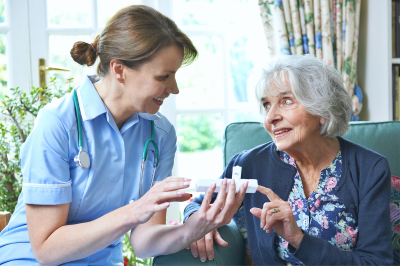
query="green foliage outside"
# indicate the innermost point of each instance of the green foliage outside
(130, 258)
(198, 133)
(21, 108)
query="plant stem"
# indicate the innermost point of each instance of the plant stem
(20, 130)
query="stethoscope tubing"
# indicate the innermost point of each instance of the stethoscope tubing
(78, 160)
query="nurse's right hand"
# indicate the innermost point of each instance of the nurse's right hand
(203, 224)
(159, 197)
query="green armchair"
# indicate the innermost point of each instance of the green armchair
(382, 137)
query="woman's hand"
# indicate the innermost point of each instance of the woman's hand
(211, 216)
(159, 197)
(277, 215)
(204, 247)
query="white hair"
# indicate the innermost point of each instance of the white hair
(317, 86)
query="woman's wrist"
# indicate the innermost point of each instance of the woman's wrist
(297, 240)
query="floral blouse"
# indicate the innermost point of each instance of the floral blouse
(322, 215)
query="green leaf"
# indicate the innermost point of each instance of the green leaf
(309, 17)
(347, 68)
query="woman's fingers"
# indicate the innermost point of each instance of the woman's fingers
(263, 215)
(194, 249)
(269, 193)
(209, 241)
(271, 218)
(218, 239)
(256, 212)
(201, 246)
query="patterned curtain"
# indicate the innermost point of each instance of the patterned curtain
(327, 29)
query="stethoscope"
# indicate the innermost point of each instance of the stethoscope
(83, 160)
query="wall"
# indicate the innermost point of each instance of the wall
(374, 60)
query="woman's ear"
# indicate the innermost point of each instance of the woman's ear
(117, 70)
(321, 120)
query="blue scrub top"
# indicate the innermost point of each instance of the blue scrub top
(51, 177)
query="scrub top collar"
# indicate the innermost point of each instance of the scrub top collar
(91, 105)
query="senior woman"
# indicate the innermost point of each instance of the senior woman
(321, 199)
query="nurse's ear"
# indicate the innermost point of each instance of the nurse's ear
(117, 70)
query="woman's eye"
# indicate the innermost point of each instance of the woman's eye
(267, 106)
(165, 77)
(287, 101)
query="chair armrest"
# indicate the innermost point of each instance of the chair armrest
(4, 219)
(233, 254)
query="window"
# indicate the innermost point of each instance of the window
(213, 90)
(4, 29)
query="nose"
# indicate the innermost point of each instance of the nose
(274, 115)
(173, 87)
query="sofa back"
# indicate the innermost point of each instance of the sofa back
(382, 137)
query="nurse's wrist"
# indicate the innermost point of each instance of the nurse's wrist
(187, 234)
(130, 217)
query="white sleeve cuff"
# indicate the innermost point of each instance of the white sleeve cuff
(47, 194)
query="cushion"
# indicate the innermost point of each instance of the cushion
(395, 212)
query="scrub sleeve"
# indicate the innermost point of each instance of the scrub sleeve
(45, 168)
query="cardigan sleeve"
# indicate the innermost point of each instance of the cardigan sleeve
(374, 238)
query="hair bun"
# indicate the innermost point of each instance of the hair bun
(84, 53)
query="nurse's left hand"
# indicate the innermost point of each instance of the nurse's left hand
(159, 197)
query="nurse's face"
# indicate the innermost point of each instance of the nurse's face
(148, 86)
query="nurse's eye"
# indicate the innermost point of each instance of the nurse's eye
(164, 78)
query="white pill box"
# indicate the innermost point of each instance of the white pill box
(203, 184)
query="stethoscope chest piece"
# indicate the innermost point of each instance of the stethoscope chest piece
(82, 159)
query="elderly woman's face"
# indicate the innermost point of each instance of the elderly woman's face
(287, 121)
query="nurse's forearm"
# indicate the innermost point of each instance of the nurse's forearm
(159, 239)
(72, 242)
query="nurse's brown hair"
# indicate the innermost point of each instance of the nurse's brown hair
(133, 35)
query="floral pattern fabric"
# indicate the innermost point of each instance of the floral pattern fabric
(323, 214)
(327, 29)
(395, 212)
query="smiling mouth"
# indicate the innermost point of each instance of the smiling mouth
(159, 99)
(281, 133)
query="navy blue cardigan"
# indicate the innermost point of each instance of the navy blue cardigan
(364, 188)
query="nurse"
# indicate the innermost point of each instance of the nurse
(74, 216)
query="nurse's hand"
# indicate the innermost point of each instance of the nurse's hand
(202, 224)
(159, 197)
(277, 215)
